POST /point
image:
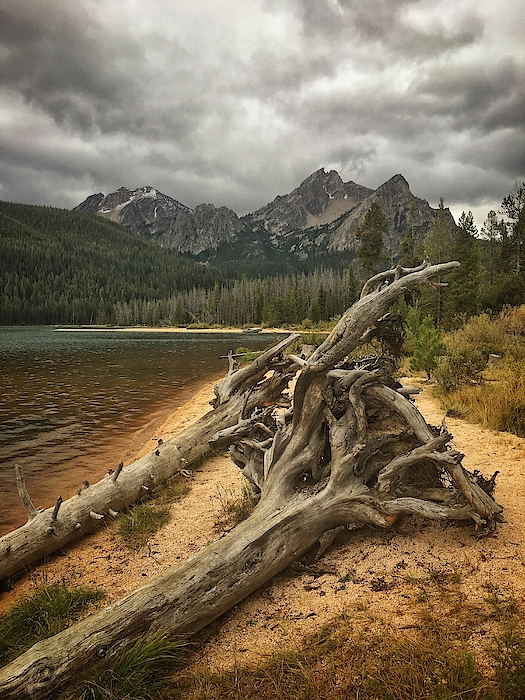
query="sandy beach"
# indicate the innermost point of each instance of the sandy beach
(293, 605)
(159, 329)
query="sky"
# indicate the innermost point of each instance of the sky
(234, 102)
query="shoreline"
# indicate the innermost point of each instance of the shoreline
(81, 561)
(127, 445)
(171, 329)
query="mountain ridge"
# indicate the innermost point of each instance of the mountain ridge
(313, 224)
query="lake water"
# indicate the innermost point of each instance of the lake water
(72, 403)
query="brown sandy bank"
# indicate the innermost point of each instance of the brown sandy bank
(381, 572)
(155, 329)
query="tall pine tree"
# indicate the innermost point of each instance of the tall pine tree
(370, 234)
(438, 249)
(464, 283)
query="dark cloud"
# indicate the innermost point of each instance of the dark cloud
(234, 103)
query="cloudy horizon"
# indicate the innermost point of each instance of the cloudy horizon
(235, 103)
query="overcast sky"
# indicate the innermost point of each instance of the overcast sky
(236, 101)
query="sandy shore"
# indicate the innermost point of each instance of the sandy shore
(405, 558)
(154, 329)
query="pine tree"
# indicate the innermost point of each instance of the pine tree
(409, 256)
(427, 347)
(513, 206)
(464, 283)
(370, 234)
(438, 249)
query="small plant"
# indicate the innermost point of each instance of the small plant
(48, 611)
(509, 657)
(349, 577)
(427, 347)
(235, 507)
(380, 584)
(247, 355)
(142, 521)
(443, 577)
(504, 608)
(174, 489)
(139, 675)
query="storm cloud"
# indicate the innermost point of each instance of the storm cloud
(237, 102)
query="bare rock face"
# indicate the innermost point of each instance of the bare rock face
(204, 229)
(155, 216)
(314, 224)
(400, 206)
(320, 199)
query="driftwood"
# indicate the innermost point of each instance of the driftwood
(47, 531)
(344, 448)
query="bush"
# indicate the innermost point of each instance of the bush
(460, 366)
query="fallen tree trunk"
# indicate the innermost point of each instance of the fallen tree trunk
(47, 531)
(348, 450)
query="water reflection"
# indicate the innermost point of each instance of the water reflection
(71, 403)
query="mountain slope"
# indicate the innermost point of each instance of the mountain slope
(58, 266)
(155, 216)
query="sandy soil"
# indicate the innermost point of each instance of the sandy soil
(295, 604)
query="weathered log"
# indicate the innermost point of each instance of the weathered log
(48, 531)
(352, 450)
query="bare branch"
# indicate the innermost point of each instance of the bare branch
(31, 511)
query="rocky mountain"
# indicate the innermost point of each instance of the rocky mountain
(320, 199)
(312, 225)
(155, 216)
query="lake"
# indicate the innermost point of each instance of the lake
(71, 402)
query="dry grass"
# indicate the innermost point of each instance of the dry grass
(357, 656)
(491, 396)
(234, 507)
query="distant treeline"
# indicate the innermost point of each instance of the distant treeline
(274, 301)
(62, 267)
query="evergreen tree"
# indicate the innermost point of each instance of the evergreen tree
(409, 256)
(427, 347)
(504, 273)
(513, 206)
(494, 231)
(438, 249)
(463, 284)
(370, 234)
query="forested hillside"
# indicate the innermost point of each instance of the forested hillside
(58, 266)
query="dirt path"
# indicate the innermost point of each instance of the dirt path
(381, 572)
